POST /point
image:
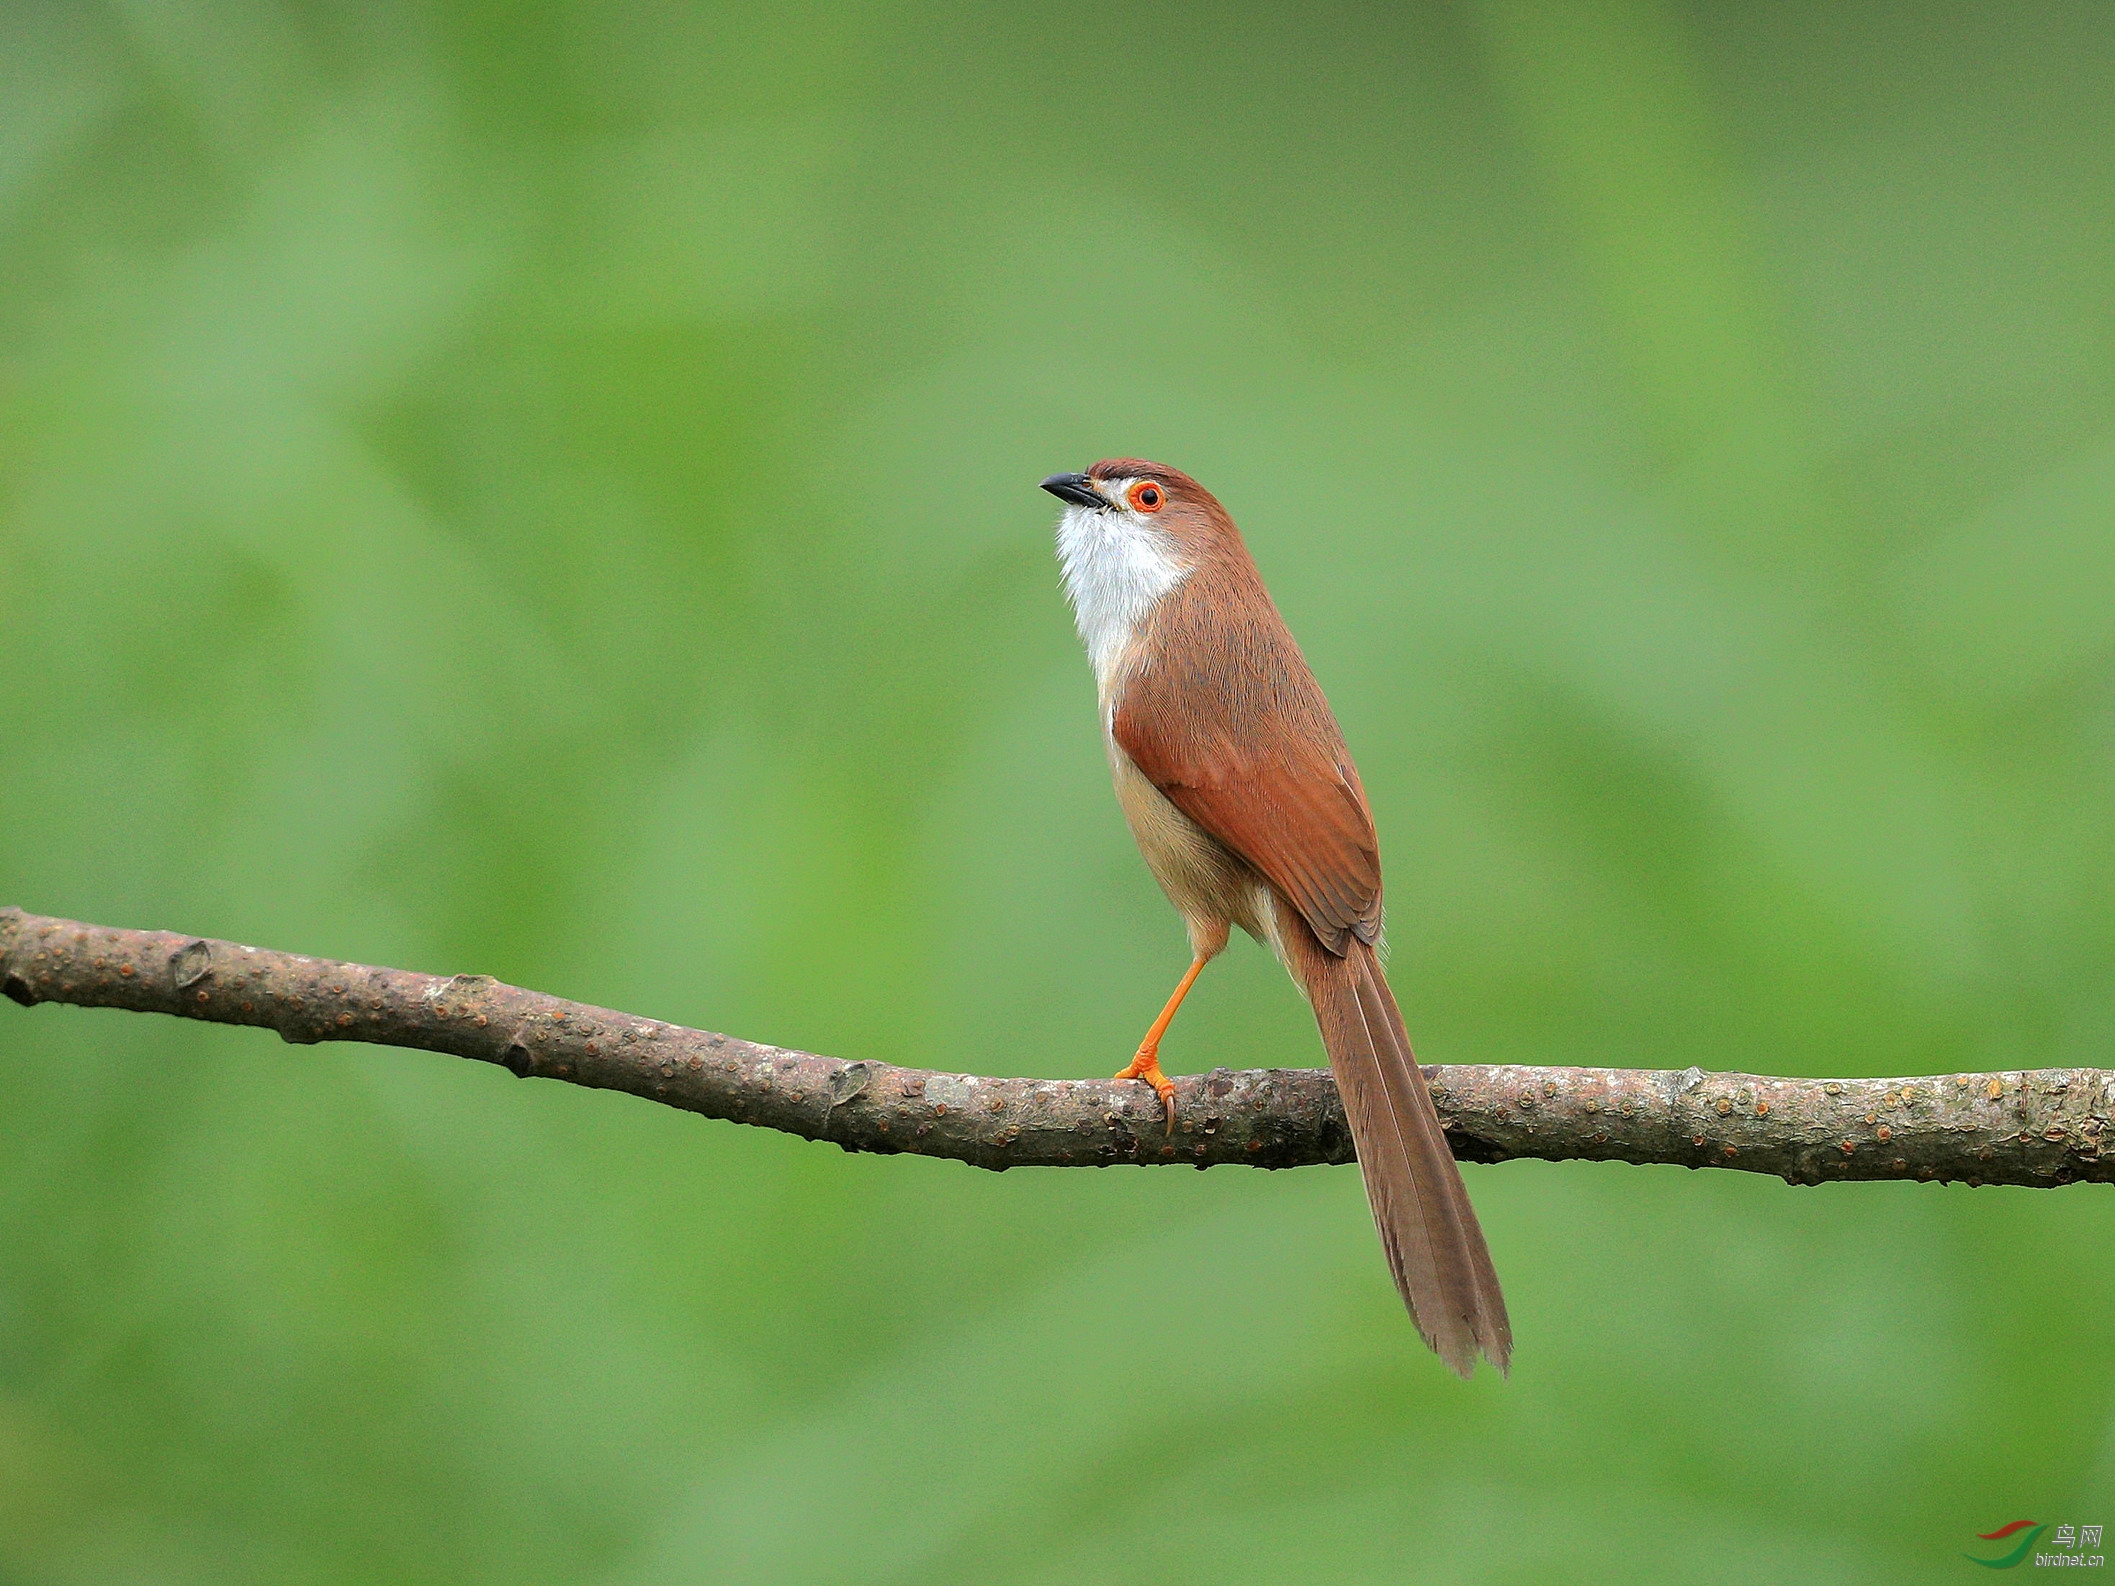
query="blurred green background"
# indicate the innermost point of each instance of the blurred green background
(550, 490)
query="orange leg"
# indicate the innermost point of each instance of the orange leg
(1146, 1065)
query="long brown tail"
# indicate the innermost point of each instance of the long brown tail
(1428, 1228)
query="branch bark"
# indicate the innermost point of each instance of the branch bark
(2036, 1127)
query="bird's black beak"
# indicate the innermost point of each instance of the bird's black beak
(1075, 489)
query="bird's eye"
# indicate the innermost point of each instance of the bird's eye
(1146, 496)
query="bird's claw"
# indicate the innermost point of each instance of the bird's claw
(1146, 1066)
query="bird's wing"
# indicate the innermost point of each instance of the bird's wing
(1234, 731)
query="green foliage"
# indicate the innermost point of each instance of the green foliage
(549, 490)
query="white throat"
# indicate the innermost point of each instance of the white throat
(1117, 567)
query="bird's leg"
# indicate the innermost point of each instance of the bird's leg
(1146, 1065)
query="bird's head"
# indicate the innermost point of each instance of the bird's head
(1149, 499)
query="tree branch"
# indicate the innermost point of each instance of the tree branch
(2037, 1127)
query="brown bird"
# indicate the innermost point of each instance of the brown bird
(1235, 780)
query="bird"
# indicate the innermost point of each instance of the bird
(1235, 780)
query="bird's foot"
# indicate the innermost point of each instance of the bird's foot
(1146, 1066)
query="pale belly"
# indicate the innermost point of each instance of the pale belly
(1210, 886)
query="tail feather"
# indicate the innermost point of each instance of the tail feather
(1428, 1229)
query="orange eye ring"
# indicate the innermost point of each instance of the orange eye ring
(1146, 496)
